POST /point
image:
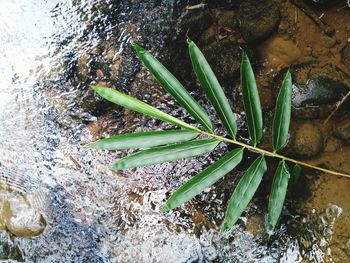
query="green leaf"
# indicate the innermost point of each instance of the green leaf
(166, 153)
(143, 139)
(281, 120)
(244, 192)
(278, 195)
(131, 103)
(204, 179)
(294, 177)
(174, 87)
(212, 88)
(251, 101)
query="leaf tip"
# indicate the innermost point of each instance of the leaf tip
(94, 87)
(189, 41)
(289, 73)
(138, 47)
(269, 232)
(165, 209)
(91, 145)
(224, 229)
(245, 57)
(117, 166)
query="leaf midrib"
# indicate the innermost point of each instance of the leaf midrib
(191, 147)
(214, 171)
(280, 122)
(215, 98)
(188, 105)
(251, 179)
(251, 110)
(249, 182)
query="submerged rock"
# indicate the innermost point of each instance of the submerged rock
(225, 58)
(258, 19)
(318, 97)
(21, 219)
(279, 52)
(308, 141)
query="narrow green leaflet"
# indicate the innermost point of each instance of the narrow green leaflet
(143, 139)
(174, 87)
(294, 176)
(166, 153)
(204, 179)
(278, 195)
(212, 88)
(251, 101)
(134, 104)
(281, 119)
(244, 192)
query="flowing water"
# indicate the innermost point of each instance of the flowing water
(60, 202)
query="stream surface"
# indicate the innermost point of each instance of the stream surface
(60, 202)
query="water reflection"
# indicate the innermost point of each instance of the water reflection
(51, 52)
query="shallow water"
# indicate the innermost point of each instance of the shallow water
(77, 209)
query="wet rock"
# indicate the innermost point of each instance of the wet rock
(99, 73)
(83, 67)
(308, 141)
(193, 23)
(279, 52)
(258, 19)
(175, 57)
(255, 225)
(318, 97)
(225, 57)
(21, 219)
(345, 55)
(225, 18)
(343, 131)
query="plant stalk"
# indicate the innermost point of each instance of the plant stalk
(275, 155)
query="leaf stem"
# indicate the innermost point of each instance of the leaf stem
(275, 155)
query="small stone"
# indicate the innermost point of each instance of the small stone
(318, 97)
(343, 131)
(111, 53)
(83, 67)
(329, 42)
(255, 225)
(329, 31)
(345, 55)
(258, 19)
(96, 51)
(99, 73)
(115, 67)
(308, 141)
(225, 57)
